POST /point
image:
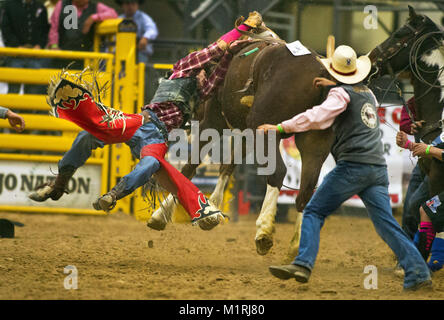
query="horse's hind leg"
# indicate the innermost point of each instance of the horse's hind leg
(217, 197)
(293, 249)
(265, 221)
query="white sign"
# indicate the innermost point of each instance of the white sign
(390, 118)
(19, 178)
(297, 48)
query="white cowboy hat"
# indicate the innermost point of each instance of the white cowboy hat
(345, 67)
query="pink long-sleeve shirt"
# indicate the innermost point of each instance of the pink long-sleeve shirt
(103, 12)
(322, 116)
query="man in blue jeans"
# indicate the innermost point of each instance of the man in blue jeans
(146, 32)
(361, 169)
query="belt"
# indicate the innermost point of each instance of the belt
(148, 118)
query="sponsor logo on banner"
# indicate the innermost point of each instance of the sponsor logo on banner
(393, 156)
(19, 178)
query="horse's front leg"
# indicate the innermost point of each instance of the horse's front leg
(217, 197)
(265, 221)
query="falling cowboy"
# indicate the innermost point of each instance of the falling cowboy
(145, 133)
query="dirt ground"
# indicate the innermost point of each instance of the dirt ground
(118, 257)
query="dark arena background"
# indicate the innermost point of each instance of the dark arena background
(65, 249)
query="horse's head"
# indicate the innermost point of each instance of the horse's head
(393, 55)
(413, 48)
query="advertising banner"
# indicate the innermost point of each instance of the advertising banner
(19, 178)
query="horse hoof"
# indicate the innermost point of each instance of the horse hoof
(156, 224)
(263, 245)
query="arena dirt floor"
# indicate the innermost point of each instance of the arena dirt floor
(118, 257)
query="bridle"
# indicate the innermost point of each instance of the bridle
(389, 53)
(415, 41)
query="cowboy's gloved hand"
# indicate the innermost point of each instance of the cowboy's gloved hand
(16, 121)
(416, 126)
(401, 139)
(322, 82)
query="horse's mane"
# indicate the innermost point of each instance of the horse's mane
(426, 20)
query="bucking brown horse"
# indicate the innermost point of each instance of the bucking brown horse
(280, 86)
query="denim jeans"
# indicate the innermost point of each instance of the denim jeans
(147, 134)
(417, 193)
(370, 182)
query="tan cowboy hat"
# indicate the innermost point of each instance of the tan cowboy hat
(345, 67)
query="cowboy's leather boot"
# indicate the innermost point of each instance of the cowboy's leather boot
(108, 201)
(53, 189)
(209, 215)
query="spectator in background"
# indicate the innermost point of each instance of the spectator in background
(25, 25)
(146, 32)
(146, 27)
(50, 6)
(82, 38)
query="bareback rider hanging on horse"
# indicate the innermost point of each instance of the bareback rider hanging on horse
(147, 133)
